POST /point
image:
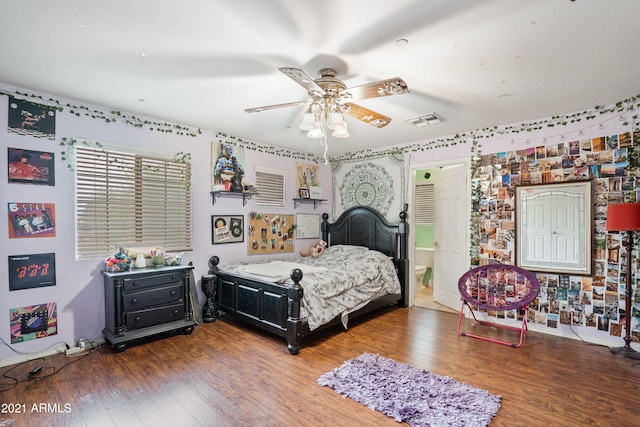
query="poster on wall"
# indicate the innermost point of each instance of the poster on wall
(31, 219)
(270, 233)
(228, 167)
(30, 167)
(31, 119)
(33, 322)
(227, 229)
(32, 271)
(306, 176)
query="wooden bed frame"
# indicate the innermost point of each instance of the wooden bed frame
(276, 307)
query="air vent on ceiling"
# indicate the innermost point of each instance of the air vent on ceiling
(425, 120)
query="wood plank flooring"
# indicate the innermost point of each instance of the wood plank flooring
(227, 375)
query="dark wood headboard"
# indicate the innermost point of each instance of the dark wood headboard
(364, 226)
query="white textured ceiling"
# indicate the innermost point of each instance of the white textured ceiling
(202, 62)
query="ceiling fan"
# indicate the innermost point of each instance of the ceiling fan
(329, 99)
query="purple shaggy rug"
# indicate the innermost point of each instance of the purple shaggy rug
(412, 395)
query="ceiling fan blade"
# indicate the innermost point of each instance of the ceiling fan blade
(273, 107)
(303, 79)
(393, 86)
(366, 115)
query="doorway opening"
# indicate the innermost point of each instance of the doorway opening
(446, 235)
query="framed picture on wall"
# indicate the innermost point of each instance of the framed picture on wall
(32, 271)
(31, 219)
(307, 226)
(31, 119)
(227, 229)
(30, 167)
(306, 175)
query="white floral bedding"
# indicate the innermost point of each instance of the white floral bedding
(355, 275)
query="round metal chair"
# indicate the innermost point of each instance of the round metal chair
(497, 287)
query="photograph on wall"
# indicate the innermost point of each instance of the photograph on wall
(31, 119)
(32, 271)
(228, 167)
(31, 219)
(270, 233)
(33, 322)
(30, 167)
(227, 229)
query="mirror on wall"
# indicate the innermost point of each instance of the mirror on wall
(554, 227)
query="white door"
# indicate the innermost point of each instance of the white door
(552, 234)
(451, 231)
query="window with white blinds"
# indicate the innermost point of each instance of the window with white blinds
(425, 204)
(124, 198)
(270, 185)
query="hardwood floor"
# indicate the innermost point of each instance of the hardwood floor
(227, 375)
(424, 298)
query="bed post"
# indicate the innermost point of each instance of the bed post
(403, 261)
(294, 322)
(324, 227)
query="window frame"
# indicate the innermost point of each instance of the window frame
(126, 198)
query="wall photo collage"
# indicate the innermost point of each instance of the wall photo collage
(596, 300)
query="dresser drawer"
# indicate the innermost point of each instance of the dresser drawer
(153, 316)
(153, 297)
(132, 284)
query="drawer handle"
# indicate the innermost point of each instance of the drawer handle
(134, 301)
(175, 312)
(173, 293)
(137, 319)
(135, 283)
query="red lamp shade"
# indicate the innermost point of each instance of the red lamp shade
(623, 217)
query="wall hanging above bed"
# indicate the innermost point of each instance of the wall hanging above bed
(270, 233)
(377, 182)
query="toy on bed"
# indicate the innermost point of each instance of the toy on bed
(314, 250)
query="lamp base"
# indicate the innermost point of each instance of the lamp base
(626, 351)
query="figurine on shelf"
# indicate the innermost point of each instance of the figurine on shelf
(228, 171)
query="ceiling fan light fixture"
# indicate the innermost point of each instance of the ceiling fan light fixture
(342, 132)
(308, 122)
(336, 121)
(316, 132)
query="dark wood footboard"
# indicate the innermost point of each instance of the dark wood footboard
(273, 307)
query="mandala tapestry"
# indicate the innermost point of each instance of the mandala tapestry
(376, 183)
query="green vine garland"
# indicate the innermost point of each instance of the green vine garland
(112, 117)
(629, 104)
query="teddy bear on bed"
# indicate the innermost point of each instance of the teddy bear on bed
(314, 250)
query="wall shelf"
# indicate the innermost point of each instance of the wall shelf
(297, 201)
(246, 195)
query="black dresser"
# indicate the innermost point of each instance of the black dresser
(144, 302)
